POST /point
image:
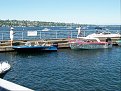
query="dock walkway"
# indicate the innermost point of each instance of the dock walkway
(9, 86)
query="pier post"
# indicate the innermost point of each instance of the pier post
(11, 35)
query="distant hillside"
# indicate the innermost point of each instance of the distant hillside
(33, 23)
(27, 23)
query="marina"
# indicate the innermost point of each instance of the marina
(64, 69)
(60, 45)
(60, 38)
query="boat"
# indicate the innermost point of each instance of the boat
(46, 29)
(118, 42)
(4, 68)
(104, 34)
(89, 43)
(28, 47)
(98, 34)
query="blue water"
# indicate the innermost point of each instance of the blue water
(67, 70)
(21, 33)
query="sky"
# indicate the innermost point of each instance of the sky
(98, 12)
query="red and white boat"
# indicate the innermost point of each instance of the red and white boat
(89, 43)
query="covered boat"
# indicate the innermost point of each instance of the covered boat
(34, 48)
(89, 43)
(4, 68)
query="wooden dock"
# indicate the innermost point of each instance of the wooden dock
(62, 43)
(6, 49)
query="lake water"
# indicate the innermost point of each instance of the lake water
(66, 70)
(21, 33)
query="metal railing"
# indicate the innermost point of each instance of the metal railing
(23, 35)
(53, 34)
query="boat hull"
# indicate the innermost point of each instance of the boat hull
(77, 46)
(34, 48)
(3, 74)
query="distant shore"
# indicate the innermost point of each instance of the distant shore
(27, 23)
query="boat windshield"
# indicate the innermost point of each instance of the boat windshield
(91, 39)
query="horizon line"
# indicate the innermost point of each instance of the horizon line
(59, 22)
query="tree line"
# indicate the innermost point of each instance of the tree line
(33, 23)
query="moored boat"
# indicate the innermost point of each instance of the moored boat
(89, 43)
(98, 34)
(34, 48)
(105, 35)
(4, 68)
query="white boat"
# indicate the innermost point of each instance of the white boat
(4, 67)
(98, 34)
(45, 29)
(89, 43)
(118, 42)
(105, 35)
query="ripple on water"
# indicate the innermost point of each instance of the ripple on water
(86, 70)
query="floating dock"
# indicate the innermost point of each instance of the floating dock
(62, 43)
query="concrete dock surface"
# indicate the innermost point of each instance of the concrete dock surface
(10, 86)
